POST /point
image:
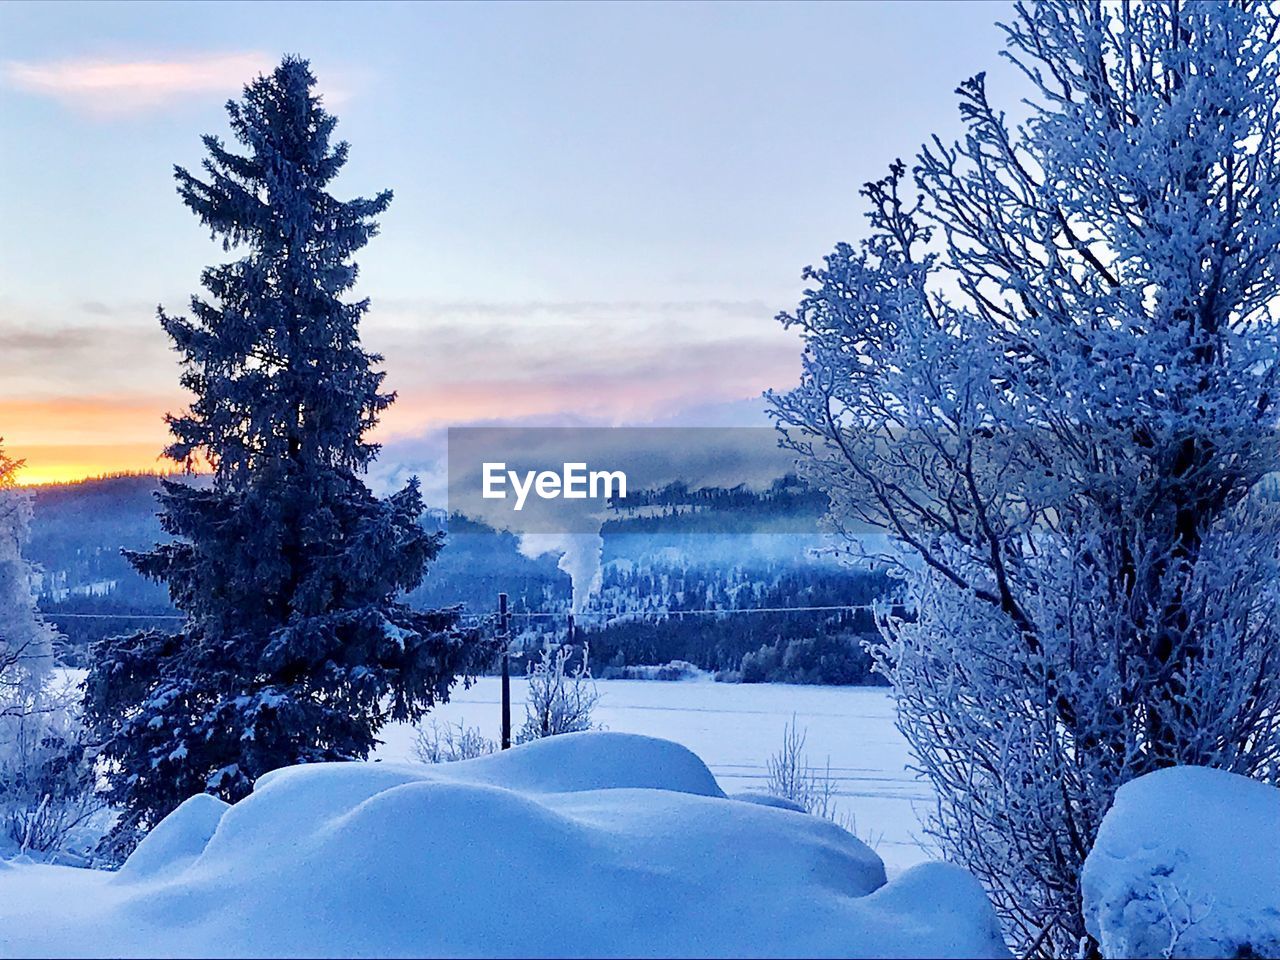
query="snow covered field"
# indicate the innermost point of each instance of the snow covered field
(735, 728)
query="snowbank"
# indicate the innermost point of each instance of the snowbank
(595, 844)
(1187, 864)
(767, 800)
(177, 840)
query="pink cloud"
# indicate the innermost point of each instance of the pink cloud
(107, 87)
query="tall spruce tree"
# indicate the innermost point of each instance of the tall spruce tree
(296, 647)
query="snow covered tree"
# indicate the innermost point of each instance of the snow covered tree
(297, 645)
(1049, 374)
(46, 782)
(26, 641)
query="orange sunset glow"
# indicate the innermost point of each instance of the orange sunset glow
(50, 463)
(63, 439)
(70, 438)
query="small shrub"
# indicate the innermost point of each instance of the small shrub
(444, 743)
(561, 698)
(791, 777)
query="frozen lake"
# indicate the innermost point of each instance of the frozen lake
(735, 728)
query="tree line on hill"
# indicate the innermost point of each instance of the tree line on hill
(90, 591)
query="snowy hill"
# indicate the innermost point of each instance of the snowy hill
(598, 844)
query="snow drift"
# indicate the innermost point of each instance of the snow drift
(595, 844)
(1187, 864)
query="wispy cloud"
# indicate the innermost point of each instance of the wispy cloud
(115, 87)
(53, 350)
(94, 372)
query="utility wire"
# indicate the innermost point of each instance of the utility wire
(552, 614)
(54, 615)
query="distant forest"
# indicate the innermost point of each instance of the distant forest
(653, 574)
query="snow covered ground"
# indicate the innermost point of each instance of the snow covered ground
(1187, 864)
(735, 728)
(598, 844)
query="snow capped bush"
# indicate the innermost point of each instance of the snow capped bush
(177, 840)
(26, 640)
(1187, 864)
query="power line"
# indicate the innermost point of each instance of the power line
(111, 616)
(711, 611)
(555, 614)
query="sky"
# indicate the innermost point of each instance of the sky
(599, 207)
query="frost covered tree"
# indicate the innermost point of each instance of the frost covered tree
(1049, 374)
(26, 640)
(296, 646)
(46, 780)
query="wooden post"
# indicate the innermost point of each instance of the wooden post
(504, 621)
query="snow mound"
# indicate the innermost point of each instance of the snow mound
(1187, 864)
(594, 844)
(177, 840)
(767, 800)
(592, 761)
